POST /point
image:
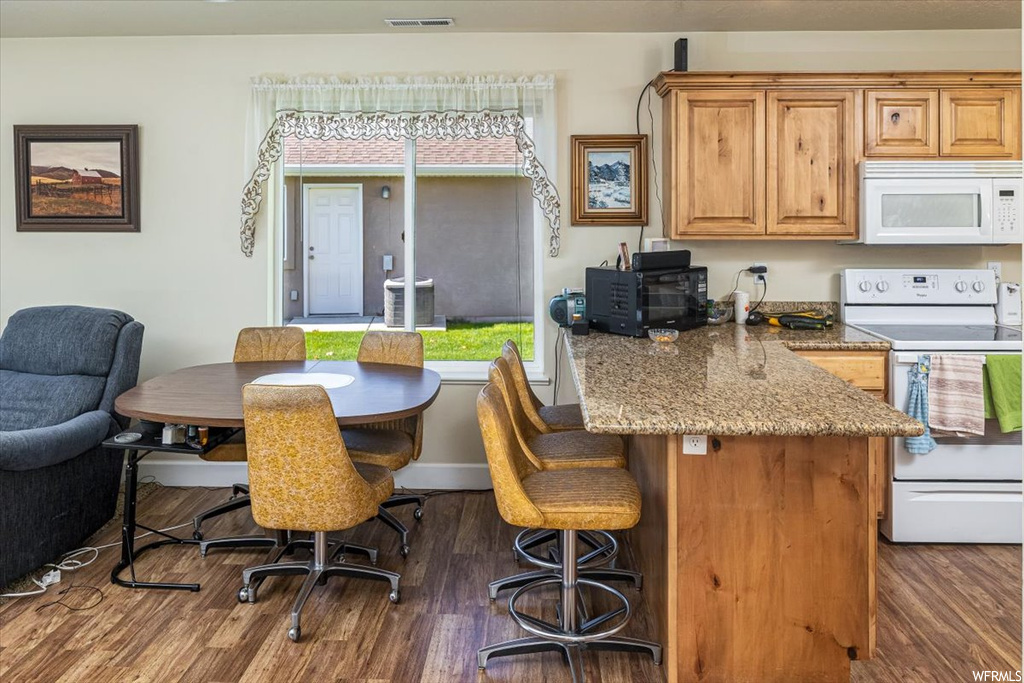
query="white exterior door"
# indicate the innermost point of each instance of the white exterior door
(334, 250)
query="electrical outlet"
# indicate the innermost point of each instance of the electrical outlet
(997, 266)
(761, 278)
(695, 444)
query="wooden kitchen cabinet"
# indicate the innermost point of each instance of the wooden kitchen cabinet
(762, 155)
(981, 123)
(811, 163)
(863, 369)
(901, 123)
(718, 163)
(867, 370)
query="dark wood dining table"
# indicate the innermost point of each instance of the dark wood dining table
(211, 396)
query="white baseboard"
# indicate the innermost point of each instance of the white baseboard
(170, 471)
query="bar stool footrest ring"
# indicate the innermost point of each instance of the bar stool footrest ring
(543, 629)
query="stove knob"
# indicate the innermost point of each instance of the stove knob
(978, 286)
(960, 286)
(864, 286)
(882, 286)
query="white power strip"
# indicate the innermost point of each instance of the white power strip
(51, 577)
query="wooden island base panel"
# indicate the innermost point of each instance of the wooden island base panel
(759, 557)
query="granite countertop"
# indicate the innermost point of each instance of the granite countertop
(727, 380)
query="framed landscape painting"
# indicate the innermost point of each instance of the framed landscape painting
(609, 180)
(77, 178)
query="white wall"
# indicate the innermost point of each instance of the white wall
(184, 276)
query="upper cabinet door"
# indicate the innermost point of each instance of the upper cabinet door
(901, 123)
(717, 162)
(811, 163)
(981, 123)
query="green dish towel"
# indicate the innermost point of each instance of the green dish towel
(1002, 390)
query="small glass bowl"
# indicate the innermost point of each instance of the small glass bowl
(663, 335)
(719, 315)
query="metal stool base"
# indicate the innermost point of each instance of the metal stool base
(572, 653)
(576, 630)
(317, 570)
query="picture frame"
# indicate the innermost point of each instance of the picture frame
(609, 179)
(77, 178)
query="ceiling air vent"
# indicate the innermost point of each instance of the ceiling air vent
(419, 23)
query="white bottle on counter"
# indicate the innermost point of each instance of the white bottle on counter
(741, 306)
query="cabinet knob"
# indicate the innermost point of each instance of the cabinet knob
(895, 118)
(311, 257)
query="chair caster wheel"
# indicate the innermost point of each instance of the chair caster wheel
(404, 550)
(395, 596)
(417, 514)
(295, 633)
(197, 535)
(243, 594)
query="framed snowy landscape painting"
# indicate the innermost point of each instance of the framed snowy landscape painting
(609, 180)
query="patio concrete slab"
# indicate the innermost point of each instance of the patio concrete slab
(356, 323)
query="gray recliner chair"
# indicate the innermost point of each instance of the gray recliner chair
(61, 367)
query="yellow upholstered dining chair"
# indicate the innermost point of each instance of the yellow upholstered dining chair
(302, 479)
(554, 418)
(254, 344)
(569, 501)
(394, 443)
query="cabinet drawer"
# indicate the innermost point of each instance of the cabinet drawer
(862, 369)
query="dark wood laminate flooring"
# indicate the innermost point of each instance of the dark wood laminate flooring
(943, 612)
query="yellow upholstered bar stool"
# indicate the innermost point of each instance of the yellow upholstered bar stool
(254, 344)
(394, 443)
(557, 451)
(567, 449)
(301, 478)
(556, 418)
(569, 501)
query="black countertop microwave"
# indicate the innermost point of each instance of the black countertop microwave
(630, 302)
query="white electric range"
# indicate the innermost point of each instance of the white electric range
(967, 490)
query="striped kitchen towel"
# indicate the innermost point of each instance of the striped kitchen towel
(956, 397)
(917, 407)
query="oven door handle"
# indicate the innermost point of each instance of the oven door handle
(911, 358)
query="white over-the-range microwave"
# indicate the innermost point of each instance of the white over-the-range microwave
(941, 202)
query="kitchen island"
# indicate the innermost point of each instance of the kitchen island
(759, 555)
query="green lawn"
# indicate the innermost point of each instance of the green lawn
(461, 341)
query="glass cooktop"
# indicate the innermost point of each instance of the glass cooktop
(948, 337)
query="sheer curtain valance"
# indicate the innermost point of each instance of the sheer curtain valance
(329, 108)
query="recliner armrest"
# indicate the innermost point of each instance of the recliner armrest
(30, 449)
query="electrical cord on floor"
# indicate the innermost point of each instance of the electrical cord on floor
(66, 591)
(69, 561)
